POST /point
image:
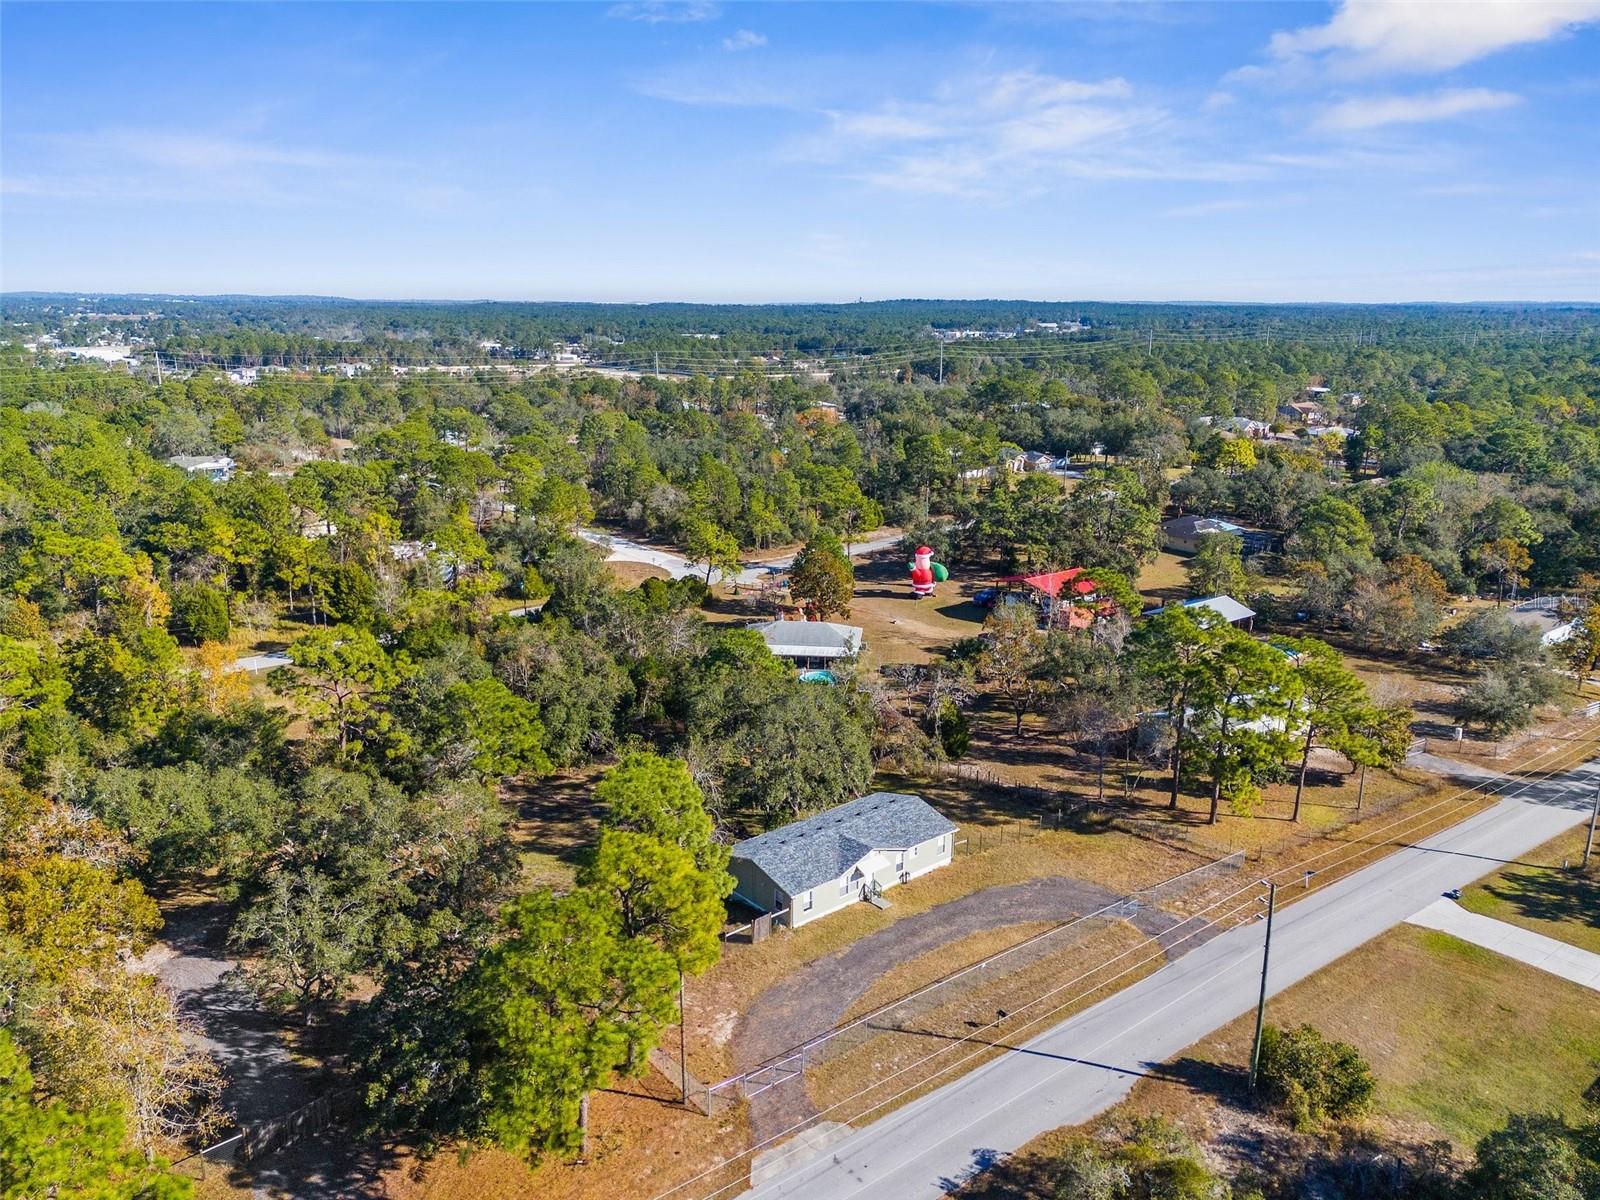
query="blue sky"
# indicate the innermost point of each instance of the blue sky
(703, 151)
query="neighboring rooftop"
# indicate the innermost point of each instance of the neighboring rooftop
(810, 639)
(1193, 526)
(800, 856)
(202, 462)
(1226, 607)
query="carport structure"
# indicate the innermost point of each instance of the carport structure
(1048, 588)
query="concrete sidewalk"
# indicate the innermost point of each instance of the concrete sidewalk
(1513, 941)
(1085, 1064)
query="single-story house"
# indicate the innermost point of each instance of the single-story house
(1182, 535)
(839, 857)
(1308, 412)
(810, 643)
(1550, 616)
(216, 467)
(1244, 425)
(1226, 607)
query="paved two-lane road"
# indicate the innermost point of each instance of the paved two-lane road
(1086, 1064)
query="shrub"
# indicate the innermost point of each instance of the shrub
(1502, 698)
(1151, 1159)
(1312, 1079)
(955, 730)
(200, 614)
(1537, 1157)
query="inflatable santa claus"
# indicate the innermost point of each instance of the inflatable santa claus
(925, 573)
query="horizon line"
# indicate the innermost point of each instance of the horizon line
(308, 297)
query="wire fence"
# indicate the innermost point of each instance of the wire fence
(260, 1138)
(964, 983)
(894, 1080)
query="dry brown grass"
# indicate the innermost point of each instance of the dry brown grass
(1164, 580)
(906, 977)
(717, 999)
(551, 821)
(893, 1066)
(632, 574)
(643, 1143)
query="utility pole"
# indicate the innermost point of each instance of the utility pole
(941, 362)
(1594, 817)
(1261, 1004)
(658, 364)
(683, 1042)
(1150, 342)
(158, 368)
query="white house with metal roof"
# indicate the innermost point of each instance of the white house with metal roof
(839, 857)
(810, 643)
(216, 467)
(1226, 607)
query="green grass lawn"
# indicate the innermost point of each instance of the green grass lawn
(1458, 1036)
(1539, 895)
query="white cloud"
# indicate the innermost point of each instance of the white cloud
(985, 133)
(1367, 36)
(664, 12)
(1374, 112)
(994, 136)
(745, 39)
(185, 151)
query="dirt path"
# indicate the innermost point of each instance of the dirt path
(191, 960)
(815, 998)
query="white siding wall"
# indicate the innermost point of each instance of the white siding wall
(753, 886)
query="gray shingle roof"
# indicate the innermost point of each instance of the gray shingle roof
(800, 856)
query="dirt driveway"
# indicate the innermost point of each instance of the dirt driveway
(815, 998)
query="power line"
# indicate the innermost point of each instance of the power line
(1452, 802)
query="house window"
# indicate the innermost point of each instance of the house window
(900, 863)
(807, 906)
(941, 842)
(844, 884)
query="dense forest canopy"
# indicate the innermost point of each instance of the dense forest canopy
(891, 332)
(414, 540)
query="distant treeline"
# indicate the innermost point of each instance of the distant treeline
(251, 329)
